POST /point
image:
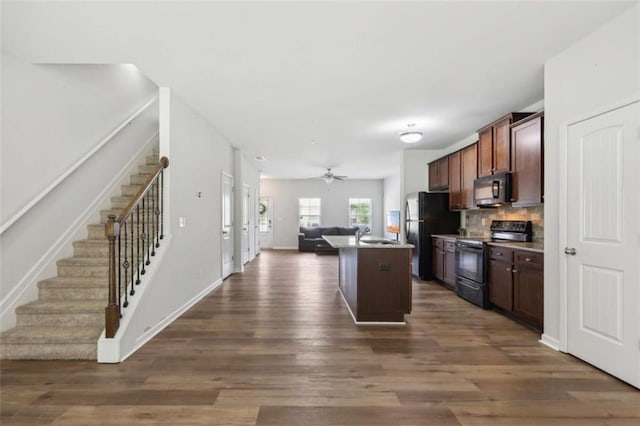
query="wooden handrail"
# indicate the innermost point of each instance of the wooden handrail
(164, 163)
(139, 235)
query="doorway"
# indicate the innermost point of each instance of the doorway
(227, 225)
(602, 231)
(265, 211)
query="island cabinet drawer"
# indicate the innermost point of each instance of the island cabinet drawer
(529, 259)
(501, 253)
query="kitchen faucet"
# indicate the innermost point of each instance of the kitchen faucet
(360, 232)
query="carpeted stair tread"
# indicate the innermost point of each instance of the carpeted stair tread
(62, 306)
(74, 282)
(56, 335)
(83, 261)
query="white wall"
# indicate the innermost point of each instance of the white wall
(599, 70)
(191, 265)
(393, 200)
(52, 116)
(335, 204)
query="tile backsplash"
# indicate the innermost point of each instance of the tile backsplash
(473, 219)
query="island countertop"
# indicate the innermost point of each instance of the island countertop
(375, 242)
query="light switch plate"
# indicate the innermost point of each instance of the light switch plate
(182, 221)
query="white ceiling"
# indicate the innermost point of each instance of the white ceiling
(274, 76)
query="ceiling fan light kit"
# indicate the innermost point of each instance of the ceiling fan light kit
(329, 177)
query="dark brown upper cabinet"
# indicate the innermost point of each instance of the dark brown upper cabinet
(455, 176)
(439, 174)
(494, 145)
(527, 164)
(469, 172)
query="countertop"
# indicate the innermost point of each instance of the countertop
(349, 241)
(535, 246)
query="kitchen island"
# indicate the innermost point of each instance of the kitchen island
(374, 278)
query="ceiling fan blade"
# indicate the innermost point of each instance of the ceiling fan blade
(340, 177)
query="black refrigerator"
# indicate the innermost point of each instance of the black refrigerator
(427, 213)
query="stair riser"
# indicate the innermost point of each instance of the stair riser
(91, 250)
(104, 216)
(147, 169)
(60, 319)
(77, 293)
(97, 232)
(49, 351)
(119, 203)
(152, 160)
(83, 271)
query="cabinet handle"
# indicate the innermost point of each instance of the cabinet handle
(498, 254)
(514, 271)
(526, 259)
(508, 269)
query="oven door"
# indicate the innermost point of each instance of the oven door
(470, 262)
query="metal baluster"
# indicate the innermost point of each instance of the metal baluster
(138, 245)
(158, 211)
(148, 227)
(153, 221)
(125, 265)
(143, 237)
(119, 275)
(132, 291)
(162, 204)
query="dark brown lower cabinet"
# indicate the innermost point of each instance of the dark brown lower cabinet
(444, 261)
(528, 280)
(516, 284)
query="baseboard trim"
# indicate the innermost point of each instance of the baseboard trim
(368, 322)
(285, 248)
(30, 280)
(551, 342)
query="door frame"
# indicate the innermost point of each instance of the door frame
(563, 180)
(231, 236)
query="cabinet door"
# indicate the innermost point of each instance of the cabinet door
(468, 173)
(450, 267)
(438, 258)
(527, 143)
(485, 152)
(443, 172)
(501, 285)
(502, 146)
(455, 195)
(433, 176)
(528, 293)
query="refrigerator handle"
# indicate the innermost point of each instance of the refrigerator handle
(406, 219)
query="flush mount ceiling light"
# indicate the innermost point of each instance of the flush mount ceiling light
(260, 158)
(410, 135)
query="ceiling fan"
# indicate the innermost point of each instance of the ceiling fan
(329, 177)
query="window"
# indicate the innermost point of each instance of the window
(309, 211)
(360, 211)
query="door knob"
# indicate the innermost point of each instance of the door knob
(570, 251)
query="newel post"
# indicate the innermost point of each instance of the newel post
(112, 311)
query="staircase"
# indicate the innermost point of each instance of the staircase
(69, 315)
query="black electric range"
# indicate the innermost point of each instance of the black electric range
(471, 257)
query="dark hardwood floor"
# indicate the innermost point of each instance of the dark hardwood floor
(277, 346)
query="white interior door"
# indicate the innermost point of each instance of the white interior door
(266, 222)
(227, 225)
(256, 222)
(246, 224)
(603, 323)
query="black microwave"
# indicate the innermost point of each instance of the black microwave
(492, 191)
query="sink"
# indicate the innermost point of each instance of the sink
(378, 241)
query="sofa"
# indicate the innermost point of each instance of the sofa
(310, 239)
